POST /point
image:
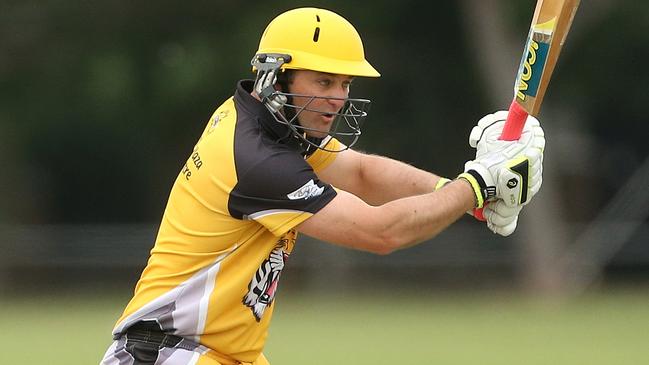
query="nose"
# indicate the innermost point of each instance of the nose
(340, 94)
(337, 104)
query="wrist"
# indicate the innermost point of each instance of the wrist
(475, 188)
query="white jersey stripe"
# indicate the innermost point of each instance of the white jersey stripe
(194, 358)
(263, 213)
(180, 301)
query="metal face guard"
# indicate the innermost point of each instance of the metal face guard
(346, 126)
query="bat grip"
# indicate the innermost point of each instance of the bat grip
(516, 118)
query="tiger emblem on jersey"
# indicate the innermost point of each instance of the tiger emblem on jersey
(263, 286)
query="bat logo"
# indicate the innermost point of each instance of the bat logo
(533, 62)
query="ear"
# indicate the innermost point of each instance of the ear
(284, 79)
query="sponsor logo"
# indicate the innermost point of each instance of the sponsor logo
(216, 118)
(512, 183)
(308, 190)
(532, 65)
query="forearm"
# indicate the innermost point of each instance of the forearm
(383, 179)
(395, 225)
(427, 215)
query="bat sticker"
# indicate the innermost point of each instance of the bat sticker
(533, 62)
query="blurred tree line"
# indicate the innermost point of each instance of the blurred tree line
(102, 101)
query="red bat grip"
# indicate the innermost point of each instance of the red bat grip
(512, 131)
(516, 118)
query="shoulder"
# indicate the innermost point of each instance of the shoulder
(281, 181)
(271, 168)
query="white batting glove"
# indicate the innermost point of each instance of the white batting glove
(482, 174)
(501, 219)
(264, 86)
(496, 176)
(485, 138)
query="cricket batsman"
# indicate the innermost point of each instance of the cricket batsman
(277, 158)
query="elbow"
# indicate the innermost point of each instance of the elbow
(386, 232)
(387, 243)
(382, 250)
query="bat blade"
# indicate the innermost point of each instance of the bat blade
(550, 25)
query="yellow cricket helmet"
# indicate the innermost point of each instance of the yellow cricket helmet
(317, 40)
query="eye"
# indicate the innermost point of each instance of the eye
(324, 82)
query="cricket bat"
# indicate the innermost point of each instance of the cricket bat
(550, 26)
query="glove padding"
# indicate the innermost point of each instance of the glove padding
(501, 219)
(494, 176)
(511, 170)
(264, 86)
(482, 174)
(485, 136)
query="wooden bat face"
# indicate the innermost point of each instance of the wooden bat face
(550, 25)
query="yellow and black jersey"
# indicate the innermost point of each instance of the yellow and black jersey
(228, 230)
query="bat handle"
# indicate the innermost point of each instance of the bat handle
(511, 132)
(516, 118)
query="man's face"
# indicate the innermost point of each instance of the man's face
(320, 84)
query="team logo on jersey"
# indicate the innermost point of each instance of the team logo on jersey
(263, 286)
(216, 118)
(307, 191)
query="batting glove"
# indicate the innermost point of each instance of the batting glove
(481, 178)
(495, 176)
(501, 219)
(485, 138)
(264, 86)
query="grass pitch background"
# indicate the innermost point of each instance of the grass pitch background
(440, 328)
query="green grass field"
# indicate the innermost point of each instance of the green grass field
(376, 329)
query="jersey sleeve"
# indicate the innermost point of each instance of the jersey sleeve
(320, 159)
(279, 192)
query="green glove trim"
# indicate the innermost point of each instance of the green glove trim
(477, 191)
(441, 183)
